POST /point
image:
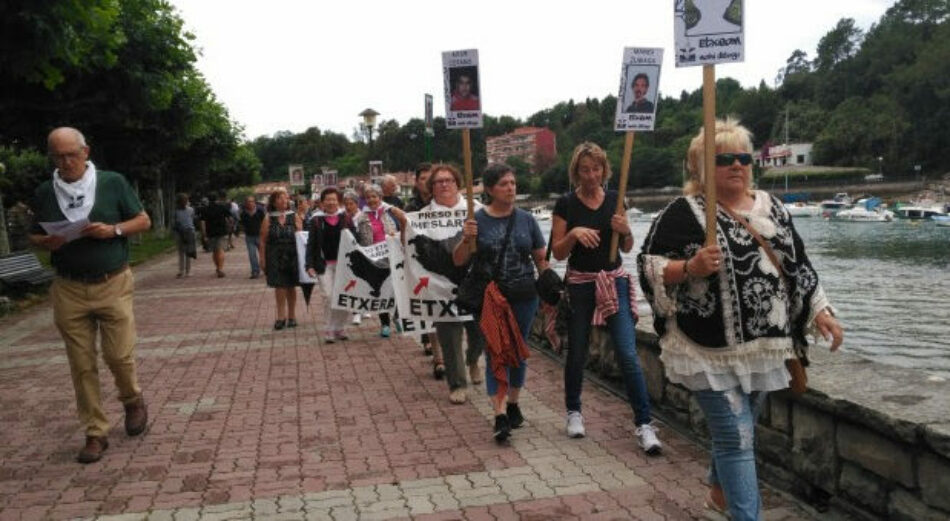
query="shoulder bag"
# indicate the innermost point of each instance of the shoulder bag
(549, 285)
(796, 366)
(471, 291)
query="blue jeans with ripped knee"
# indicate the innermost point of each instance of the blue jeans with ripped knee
(731, 416)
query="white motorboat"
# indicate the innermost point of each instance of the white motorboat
(830, 207)
(636, 214)
(941, 220)
(924, 207)
(803, 209)
(541, 213)
(917, 211)
(866, 211)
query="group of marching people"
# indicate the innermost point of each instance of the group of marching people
(509, 242)
(729, 315)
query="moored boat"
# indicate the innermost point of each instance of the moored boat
(941, 220)
(803, 209)
(541, 213)
(867, 210)
(924, 207)
(830, 207)
(636, 214)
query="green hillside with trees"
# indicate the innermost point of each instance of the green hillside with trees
(124, 71)
(863, 95)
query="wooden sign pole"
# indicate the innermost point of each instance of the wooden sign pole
(709, 149)
(469, 189)
(621, 191)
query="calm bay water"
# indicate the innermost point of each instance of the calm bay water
(890, 283)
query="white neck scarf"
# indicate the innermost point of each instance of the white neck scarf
(77, 198)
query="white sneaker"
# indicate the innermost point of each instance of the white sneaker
(575, 425)
(646, 434)
(357, 318)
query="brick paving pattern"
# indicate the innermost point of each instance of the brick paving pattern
(251, 423)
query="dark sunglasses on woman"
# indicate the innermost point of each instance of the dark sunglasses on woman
(728, 159)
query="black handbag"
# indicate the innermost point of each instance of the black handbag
(549, 285)
(521, 290)
(471, 291)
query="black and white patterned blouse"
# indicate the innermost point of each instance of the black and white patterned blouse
(736, 327)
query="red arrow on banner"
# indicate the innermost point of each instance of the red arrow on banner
(423, 283)
(350, 285)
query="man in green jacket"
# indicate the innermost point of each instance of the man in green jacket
(92, 290)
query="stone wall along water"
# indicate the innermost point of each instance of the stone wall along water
(869, 439)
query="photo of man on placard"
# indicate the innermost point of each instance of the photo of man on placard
(464, 81)
(641, 90)
(296, 176)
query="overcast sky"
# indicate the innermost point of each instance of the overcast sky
(294, 64)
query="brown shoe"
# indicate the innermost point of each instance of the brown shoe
(136, 416)
(93, 450)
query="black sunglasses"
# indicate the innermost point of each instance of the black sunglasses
(728, 159)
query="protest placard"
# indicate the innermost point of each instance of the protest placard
(430, 129)
(430, 277)
(302, 238)
(296, 175)
(463, 102)
(406, 324)
(375, 170)
(639, 89)
(707, 32)
(362, 283)
(329, 177)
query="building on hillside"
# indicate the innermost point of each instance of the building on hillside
(793, 154)
(534, 145)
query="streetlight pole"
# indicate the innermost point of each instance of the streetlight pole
(369, 121)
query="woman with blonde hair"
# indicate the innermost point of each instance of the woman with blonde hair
(599, 290)
(279, 255)
(730, 315)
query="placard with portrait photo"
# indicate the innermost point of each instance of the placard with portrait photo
(296, 175)
(639, 89)
(375, 170)
(707, 32)
(329, 177)
(463, 102)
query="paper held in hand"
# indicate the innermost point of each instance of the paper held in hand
(706, 32)
(68, 230)
(639, 89)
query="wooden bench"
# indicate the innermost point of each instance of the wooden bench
(22, 270)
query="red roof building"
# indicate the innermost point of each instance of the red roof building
(534, 145)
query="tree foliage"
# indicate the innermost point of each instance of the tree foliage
(123, 72)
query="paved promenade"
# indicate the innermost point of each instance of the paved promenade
(251, 423)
